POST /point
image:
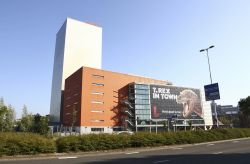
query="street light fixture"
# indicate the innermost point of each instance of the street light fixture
(213, 102)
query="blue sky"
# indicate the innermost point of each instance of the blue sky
(154, 38)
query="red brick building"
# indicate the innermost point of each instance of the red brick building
(94, 99)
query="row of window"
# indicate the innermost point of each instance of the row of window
(146, 92)
(139, 101)
(97, 129)
(143, 117)
(143, 107)
(142, 96)
(142, 111)
(141, 86)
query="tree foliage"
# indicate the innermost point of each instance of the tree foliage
(7, 117)
(40, 124)
(244, 105)
(26, 122)
(33, 123)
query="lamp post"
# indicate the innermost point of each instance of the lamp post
(213, 102)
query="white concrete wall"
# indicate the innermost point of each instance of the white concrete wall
(77, 44)
(207, 112)
(83, 47)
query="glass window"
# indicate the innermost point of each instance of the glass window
(98, 76)
(97, 111)
(97, 84)
(141, 91)
(143, 117)
(142, 96)
(139, 101)
(97, 129)
(97, 120)
(142, 106)
(97, 102)
(97, 93)
(141, 86)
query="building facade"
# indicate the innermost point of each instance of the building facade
(77, 44)
(96, 100)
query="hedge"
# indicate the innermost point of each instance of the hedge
(95, 142)
(25, 143)
(28, 143)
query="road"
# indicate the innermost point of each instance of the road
(223, 152)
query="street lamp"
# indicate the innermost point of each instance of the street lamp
(213, 102)
(208, 61)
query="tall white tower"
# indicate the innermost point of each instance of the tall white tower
(77, 44)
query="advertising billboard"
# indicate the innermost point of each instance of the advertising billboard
(171, 102)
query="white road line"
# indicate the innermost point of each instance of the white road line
(210, 144)
(67, 157)
(132, 153)
(176, 148)
(235, 141)
(161, 161)
(218, 152)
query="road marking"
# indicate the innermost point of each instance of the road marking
(210, 144)
(177, 148)
(132, 153)
(67, 157)
(235, 141)
(218, 152)
(161, 161)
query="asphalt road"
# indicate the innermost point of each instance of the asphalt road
(226, 152)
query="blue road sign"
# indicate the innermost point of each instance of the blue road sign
(212, 92)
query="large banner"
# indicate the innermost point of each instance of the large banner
(171, 101)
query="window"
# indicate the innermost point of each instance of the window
(97, 111)
(142, 106)
(141, 86)
(97, 93)
(141, 91)
(97, 84)
(142, 96)
(97, 129)
(139, 101)
(97, 76)
(97, 102)
(142, 112)
(143, 117)
(97, 120)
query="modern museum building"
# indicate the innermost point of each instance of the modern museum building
(87, 99)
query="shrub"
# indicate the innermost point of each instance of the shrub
(25, 143)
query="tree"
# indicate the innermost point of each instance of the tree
(7, 117)
(26, 122)
(40, 124)
(244, 115)
(10, 118)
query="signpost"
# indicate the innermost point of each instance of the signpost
(212, 92)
